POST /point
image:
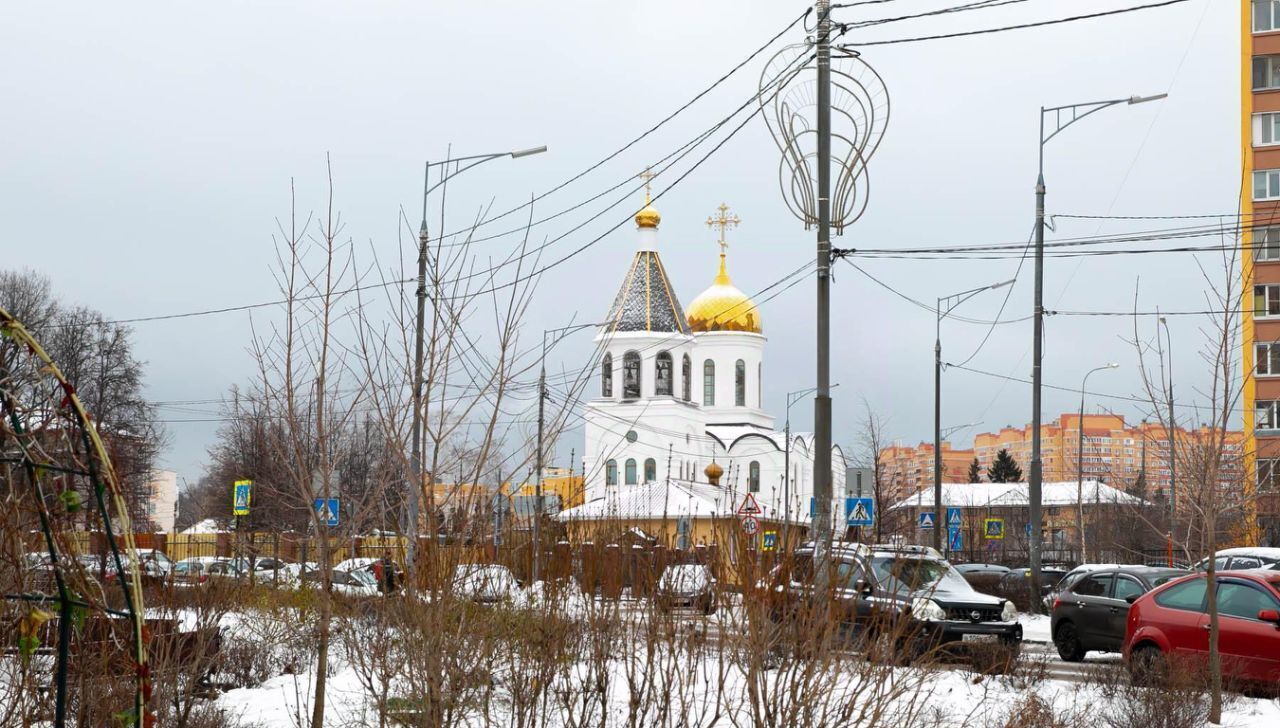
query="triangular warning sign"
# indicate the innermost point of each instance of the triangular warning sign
(749, 506)
(926, 520)
(860, 512)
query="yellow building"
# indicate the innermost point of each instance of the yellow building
(570, 489)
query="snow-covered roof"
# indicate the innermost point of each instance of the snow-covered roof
(208, 525)
(655, 500)
(727, 435)
(983, 495)
(646, 301)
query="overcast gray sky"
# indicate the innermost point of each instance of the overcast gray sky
(148, 150)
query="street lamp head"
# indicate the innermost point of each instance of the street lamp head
(1002, 284)
(1113, 365)
(528, 152)
(1144, 99)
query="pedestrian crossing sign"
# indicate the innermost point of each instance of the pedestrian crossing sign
(327, 511)
(769, 542)
(859, 511)
(240, 498)
(993, 529)
(954, 519)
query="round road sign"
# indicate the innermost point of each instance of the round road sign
(750, 526)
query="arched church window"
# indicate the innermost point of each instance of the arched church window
(611, 473)
(708, 383)
(740, 384)
(663, 373)
(606, 376)
(631, 471)
(650, 470)
(631, 375)
(687, 372)
(753, 476)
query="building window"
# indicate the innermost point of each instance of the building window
(709, 383)
(631, 375)
(1266, 184)
(1264, 414)
(1268, 474)
(606, 376)
(1266, 244)
(611, 472)
(1267, 359)
(1266, 72)
(740, 384)
(1266, 301)
(753, 476)
(650, 470)
(1266, 129)
(631, 471)
(686, 377)
(662, 374)
(1266, 15)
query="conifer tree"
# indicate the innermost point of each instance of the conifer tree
(975, 472)
(1005, 469)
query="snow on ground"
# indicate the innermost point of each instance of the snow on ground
(1035, 627)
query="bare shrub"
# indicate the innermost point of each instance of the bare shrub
(1033, 711)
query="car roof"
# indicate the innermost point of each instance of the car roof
(1270, 552)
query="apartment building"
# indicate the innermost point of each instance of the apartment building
(905, 470)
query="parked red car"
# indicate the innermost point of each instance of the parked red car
(1172, 620)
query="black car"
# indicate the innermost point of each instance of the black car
(1090, 613)
(877, 587)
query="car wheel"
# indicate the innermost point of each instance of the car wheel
(1147, 665)
(1067, 640)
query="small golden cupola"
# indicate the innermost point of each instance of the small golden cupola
(723, 307)
(648, 216)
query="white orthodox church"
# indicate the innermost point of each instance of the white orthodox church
(677, 426)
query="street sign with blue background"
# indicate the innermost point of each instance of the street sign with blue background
(860, 511)
(955, 539)
(240, 500)
(327, 510)
(954, 519)
(927, 520)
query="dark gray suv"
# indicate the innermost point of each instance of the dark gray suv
(1090, 613)
(878, 587)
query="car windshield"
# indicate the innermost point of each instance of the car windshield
(364, 577)
(907, 574)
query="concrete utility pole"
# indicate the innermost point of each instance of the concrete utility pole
(822, 400)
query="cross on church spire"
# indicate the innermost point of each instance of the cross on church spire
(647, 175)
(723, 221)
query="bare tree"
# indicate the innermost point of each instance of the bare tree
(871, 442)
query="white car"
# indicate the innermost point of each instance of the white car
(484, 583)
(347, 583)
(1243, 557)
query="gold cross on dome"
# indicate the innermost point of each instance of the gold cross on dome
(723, 221)
(647, 175)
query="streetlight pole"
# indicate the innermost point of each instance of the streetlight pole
(944, 307)
(792, 398)
(538, 459)
(1171, 429)
(1062, 117)
(415, 465)
(1080, 462)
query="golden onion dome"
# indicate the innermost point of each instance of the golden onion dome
(648, 217)
(723, 307)
(713, 473)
